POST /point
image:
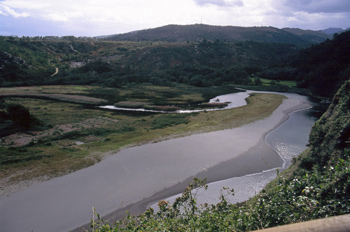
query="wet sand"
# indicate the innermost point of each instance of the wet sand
(134, 177)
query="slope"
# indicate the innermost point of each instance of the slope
(199, 32)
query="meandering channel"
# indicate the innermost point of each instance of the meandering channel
(288, 140)
(136, 176)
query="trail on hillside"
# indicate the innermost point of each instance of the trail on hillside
(56, 72)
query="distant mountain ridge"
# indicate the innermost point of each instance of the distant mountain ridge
(200, 32)
(332, 31)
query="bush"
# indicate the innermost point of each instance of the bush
(305, 196)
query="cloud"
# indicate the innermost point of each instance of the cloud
(64, 16)
(220, 3)
(7, 11)
(91, 17)
(318, 6)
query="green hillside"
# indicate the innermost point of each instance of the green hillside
(199, 32)
(34, 61)
(320, 68)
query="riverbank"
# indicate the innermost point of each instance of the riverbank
(255, 159)
(57, 151)
(137, 173)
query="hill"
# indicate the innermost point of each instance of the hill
(200, 32)
(321, 68)
(332, 31)
(314, 37)
(46, 60)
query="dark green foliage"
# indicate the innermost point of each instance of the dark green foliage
(321, 68)
(32, 61)
(14, 118)
(330, 134)
(126, 129)
(95, 67)
(279, 73)
(19, 114)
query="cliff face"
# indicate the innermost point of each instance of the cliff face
(330, 136)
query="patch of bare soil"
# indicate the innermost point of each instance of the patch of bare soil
(22, 139)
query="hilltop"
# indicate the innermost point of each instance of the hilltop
(200, 32)
(199, 55)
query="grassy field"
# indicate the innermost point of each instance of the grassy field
(74, 136)
(267, 82)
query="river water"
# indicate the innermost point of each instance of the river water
(288, 140)
(233, 99)
(231, 158)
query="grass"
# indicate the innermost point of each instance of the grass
(267, 82)
(104, 132)
(168, 120)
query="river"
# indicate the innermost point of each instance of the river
(139, 175)
(288, 140)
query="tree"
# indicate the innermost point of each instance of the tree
(20, 115)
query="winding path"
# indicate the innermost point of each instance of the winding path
(56, 72)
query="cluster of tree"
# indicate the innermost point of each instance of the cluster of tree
(14, 117)
(320, 68)
(116, 64)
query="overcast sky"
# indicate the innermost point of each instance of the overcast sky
(105, 17)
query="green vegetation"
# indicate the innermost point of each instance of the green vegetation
(320, 68)
(33, 61)
(209, 62)
(267, 82)
(15, 118)
(164, 121)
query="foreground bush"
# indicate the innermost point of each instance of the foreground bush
(310, 196)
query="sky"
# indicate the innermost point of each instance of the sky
(106, 17)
